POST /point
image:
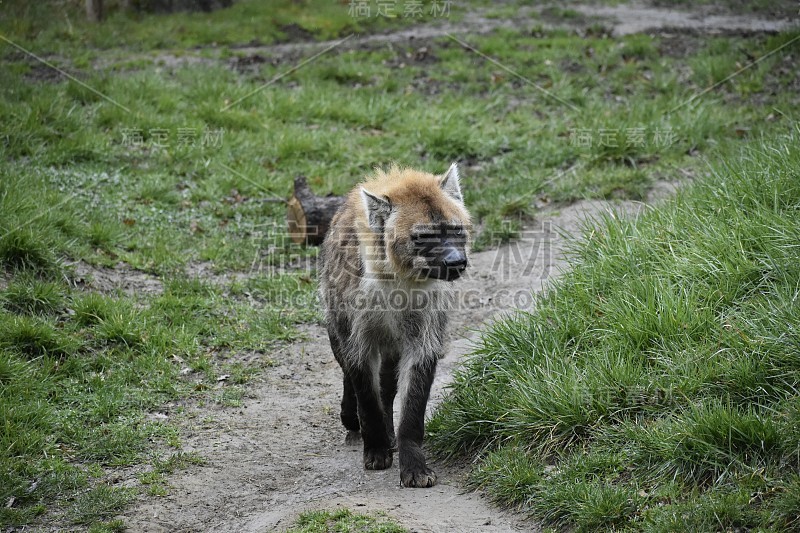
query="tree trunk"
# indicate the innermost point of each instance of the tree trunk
(308, 215)
(94, 10)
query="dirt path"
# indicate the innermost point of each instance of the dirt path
(284, 450)
(636, 18)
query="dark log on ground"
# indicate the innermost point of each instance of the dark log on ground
(309, 215)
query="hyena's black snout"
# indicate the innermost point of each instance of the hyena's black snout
(454, 263)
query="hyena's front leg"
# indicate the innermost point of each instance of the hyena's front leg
(389, 391)
(374, 433)
(416, 379)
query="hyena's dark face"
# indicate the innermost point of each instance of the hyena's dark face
(423, 226)
(440, 250)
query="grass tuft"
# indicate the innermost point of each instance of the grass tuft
(21, 249)
(35, 337)
(343, 520)
(99, 503)
(28, 295)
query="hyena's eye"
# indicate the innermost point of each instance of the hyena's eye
(426, 244)
(425, 238)
(453, 230)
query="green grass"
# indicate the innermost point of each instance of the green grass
(655, 385)
(343, 521)
(179, 180)
(155, 479)
(78, 369)
(159, 175)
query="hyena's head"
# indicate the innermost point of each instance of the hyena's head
(417, 225)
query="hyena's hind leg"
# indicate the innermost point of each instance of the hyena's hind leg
(362, 381)
(374, 432)
(349, 413)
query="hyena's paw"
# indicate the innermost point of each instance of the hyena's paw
(420, 477)
(353, 438)
(377, 458)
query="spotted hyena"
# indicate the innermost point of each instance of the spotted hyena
(386, 268)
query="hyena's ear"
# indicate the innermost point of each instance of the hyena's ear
(378, 209)
(450, 183)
